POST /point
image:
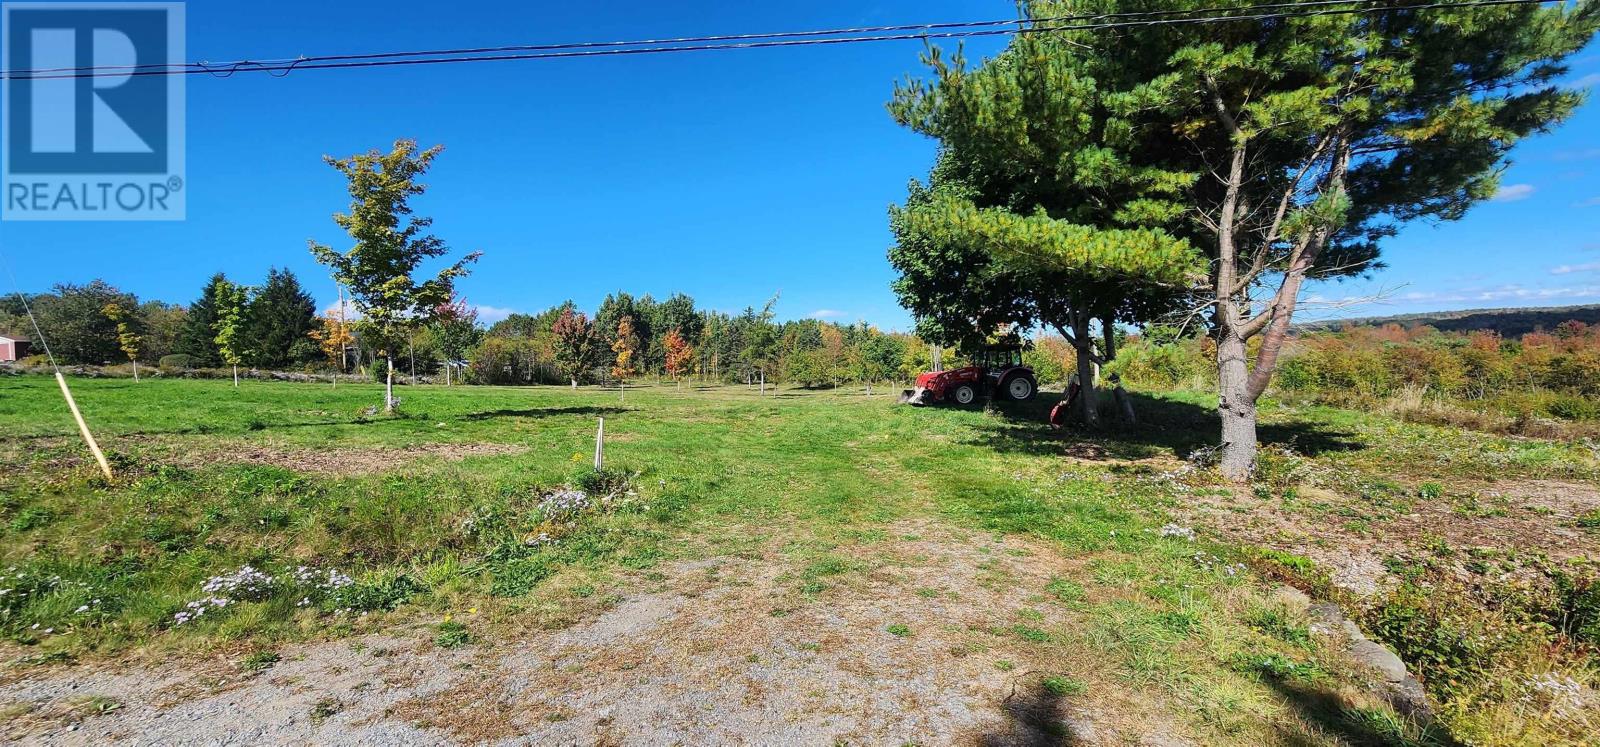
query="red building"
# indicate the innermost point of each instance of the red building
(12, 348)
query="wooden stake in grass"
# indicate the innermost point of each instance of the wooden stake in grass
(83, 427)
(599, 445)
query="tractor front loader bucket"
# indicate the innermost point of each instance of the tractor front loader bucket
(916, 397)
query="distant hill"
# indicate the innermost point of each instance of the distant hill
(1508, 322)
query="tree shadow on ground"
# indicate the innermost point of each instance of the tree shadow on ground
(1164, 427)
(1327, 713)
(1034, 718)
(543, 412)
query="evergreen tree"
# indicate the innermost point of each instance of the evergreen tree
(1320, 137)
(1034, 215)
(198, 340)
(280, 316)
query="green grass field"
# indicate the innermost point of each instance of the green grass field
(439, 509)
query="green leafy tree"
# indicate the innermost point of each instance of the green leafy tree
(878, 358)
(455, 327)
(231, 304)
(74, 322)
(161, 324)
(760, 340)
(127, 338)
(281, 314)
(390, 244)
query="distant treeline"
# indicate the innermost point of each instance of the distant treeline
(281, 330)
(1505, 322)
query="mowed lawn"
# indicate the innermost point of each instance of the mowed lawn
(357, 522)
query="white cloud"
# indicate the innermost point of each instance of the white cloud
(1513, 192)
(350, 312)
(486, 314)
(1586, 81)
(1502, 293)
(827, 314)
(492, 314)
(1569, 269)
(1577, 155)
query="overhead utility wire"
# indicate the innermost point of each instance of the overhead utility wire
(204, 66)
(582, 49)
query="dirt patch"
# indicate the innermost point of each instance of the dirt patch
(888, 642)
(337, 461)
(1351, 538)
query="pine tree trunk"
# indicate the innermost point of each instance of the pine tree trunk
(1088, 407)
(1237, 408)
(388, 386)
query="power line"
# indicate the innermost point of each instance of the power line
(215, 67)
(953, 30)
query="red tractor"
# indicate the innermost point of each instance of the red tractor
(996, 371)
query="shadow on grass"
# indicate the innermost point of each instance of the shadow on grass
(543, 412)
(1165, 427)
(1035, 719)
(1330, 714)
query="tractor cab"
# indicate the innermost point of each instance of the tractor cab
(993, 370)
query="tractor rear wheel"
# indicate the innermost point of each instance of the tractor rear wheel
(1020, 388)
(964, 394)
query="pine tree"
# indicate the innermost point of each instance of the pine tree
(281, 314)
(1320, 137)
(198, 340)
(1034, 215)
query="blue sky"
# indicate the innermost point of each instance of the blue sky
(730, 176)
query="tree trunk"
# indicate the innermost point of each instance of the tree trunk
(235, 376)
(1237, 408)
(135, 370)
(388, 385)
(1125, 405)
(1088, 408)
(763, 381)
(574, 383)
